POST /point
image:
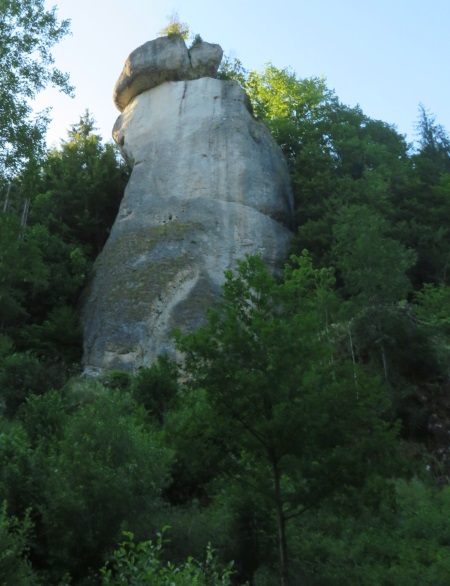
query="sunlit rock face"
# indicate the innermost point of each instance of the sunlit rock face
(208, 186)
(164, 59)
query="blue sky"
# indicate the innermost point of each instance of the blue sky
(386, 56)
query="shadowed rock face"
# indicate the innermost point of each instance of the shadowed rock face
(208, 186)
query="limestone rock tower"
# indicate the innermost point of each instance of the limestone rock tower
(208, 186)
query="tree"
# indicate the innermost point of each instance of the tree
(336, 154)
(72, 197)
(27, 34)
(175, 27)
(345, 158)
(21, 269)
(284, 102)
(432, 309)
(79, 188)
(295, 426)
(22, 374)
(86, 464)
(406, 546)
(279, 94)
(107, 471)
(433, 156)
(374, 271)
(423, 209)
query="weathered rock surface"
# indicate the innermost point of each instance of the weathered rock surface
(164, 59)
(208, 186)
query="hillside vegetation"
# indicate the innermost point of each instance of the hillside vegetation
(305, 435)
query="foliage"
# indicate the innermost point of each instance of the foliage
(22, 374)
(44, 417)
(80, 188)
(105, 471)
(195, 436)
(337, 156)
(141, 565)
(422, 207)
(434, 146)
(156, 387)
(233, 69)
(46, 255)
(22, 270)
(175, 28)
(117, 379)
(197, 40)
(277, 94)
(364, 252)
(27, 34)
(267, 366)
(14, 545)
(405, 545)
(431, 306)
(58, 337)
(277, 435)
(84, 471)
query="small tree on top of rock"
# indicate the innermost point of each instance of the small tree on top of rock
(175, 27)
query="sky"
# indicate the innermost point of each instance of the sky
(388, 56)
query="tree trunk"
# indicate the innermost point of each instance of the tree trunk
(6, 203)
(383, 357)
(353, 356)
(383, 352)
(281, 522)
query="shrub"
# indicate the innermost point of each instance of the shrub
(141, 565)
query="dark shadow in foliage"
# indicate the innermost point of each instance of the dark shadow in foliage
(58, 338)
(156, 387)
(23, 374)
(15, 570)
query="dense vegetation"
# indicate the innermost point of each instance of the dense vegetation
(306, 434)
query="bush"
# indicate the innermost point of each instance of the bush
(156, 387)
(107, 471)
(117, 379)
(141, 565)
(43, 417)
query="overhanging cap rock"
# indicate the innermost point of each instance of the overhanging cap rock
(164, 59)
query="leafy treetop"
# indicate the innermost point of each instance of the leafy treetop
(27, 34)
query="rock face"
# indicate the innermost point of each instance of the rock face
(164, 59)
(208, 186)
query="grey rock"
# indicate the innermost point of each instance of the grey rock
(208, 186)
(205, 60)
(164, 59)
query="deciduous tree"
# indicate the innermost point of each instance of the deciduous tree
(28, 31)
(295, 425)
